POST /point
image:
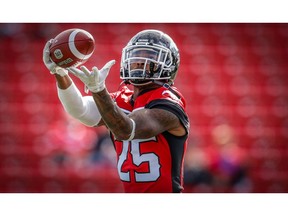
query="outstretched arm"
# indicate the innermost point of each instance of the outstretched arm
(139, 124)
(77, 106)
(82, 108)
(148, 122)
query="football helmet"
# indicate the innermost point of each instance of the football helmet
(149, 56)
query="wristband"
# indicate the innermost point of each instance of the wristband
(133, 130)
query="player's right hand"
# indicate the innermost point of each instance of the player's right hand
(94, 80)
(51, 66)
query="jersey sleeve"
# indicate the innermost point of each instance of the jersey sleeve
(171, 107)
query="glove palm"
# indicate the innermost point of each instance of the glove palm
(94, 80)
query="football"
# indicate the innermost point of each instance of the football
(72, 47)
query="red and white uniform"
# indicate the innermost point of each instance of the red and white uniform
(155, 164)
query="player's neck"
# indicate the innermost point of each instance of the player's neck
(138, 90)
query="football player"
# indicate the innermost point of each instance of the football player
(149, 125)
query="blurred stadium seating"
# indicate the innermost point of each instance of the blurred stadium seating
(232, 74)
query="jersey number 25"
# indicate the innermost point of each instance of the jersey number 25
(138, 159)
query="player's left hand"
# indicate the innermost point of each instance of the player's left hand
(94, 80)
(51, 66)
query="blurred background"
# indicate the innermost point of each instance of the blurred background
(235, 80)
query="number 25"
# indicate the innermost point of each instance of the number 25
(138, 159)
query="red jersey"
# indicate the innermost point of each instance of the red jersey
(153, 165)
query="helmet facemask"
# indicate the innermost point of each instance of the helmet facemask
(143, 63)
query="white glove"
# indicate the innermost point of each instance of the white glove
(51, 66)
(94, 80)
